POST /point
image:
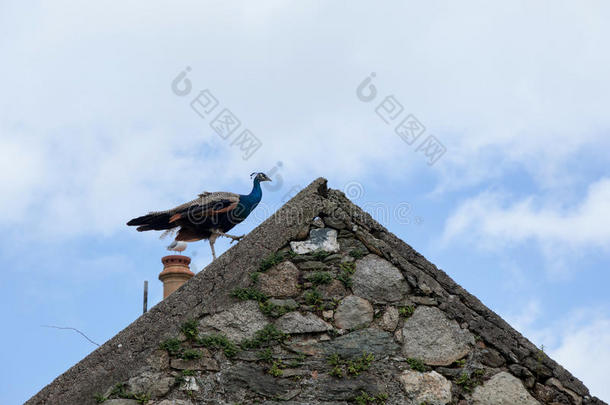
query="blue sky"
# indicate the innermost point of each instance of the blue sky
(91, 135)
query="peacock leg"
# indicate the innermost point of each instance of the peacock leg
(212, 247)
(212, 239)
(233, 237)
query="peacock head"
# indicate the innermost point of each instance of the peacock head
(260, 176)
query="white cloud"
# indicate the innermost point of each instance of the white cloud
(585, 351)
(579, 341)
(89, 87)
(492, 222)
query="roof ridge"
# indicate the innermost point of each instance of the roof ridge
(207, 293)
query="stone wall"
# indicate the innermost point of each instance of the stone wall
(323, 306)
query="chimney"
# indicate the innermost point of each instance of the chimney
(175, 273)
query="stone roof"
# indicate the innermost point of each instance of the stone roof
(320, 304)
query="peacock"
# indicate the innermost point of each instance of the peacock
(208, 216)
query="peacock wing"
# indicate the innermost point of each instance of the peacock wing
(207, 205)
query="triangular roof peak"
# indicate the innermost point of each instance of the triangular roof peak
(366, 319)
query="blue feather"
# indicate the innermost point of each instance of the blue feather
(249, 202)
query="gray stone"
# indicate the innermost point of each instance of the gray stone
(429, 388)
(534, 364)
(291, 372)
(303, 232)
(348, 242)
(353, 312)
(302, 258)
(295, 322)
(334, 223)
(523, 374)
(398, 335)
(344, 233)
(423, 300)
(424, 288)
(333, 290)
(189, 384)
(318, 223)
(305, 344)
(158, 360)
(256, 379)
(121, 401)
(429, 336)
(370, 340)
(549, 395)
(389, 319)
(239, 322)
(204, 363)
(289, 303)
(319, 239)
(491, 358)
(312, 265)
(553, 382)
(156, 384)
(280, 281)
(502, 389)
(336, 257)
(378, 280)
(173, 402)
(329, 388)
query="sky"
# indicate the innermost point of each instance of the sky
(476, 131)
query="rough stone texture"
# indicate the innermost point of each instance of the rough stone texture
(389, 319)
(334, 223)
(121, 401)
(288, 303)
(156, 384)
(429, 336)
(281, 281)
(295, 322)
(523, 373)
(190, 384)
(333, 389)
(378, 280)
(319, 239)
(254, 378)
(318, 223)
(244, 379)
(173, 402)
(369, 340)
(423, 300)
(429, 388)
(353, 312)
(502, 389)
(159, 360)
(238, 322)
(492, 358)
(313, 265)
(334, 290)
(305, 345)
(204, 363)
(553, 382)
(549, 395)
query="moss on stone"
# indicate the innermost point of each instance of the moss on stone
(249, 293)
(172, 346)
(189, 329)
(269, 334)
(217, 341)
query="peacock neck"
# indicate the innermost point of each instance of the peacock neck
(256, 194)
(250, 201)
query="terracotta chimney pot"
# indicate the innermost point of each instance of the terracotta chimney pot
(175, 272)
